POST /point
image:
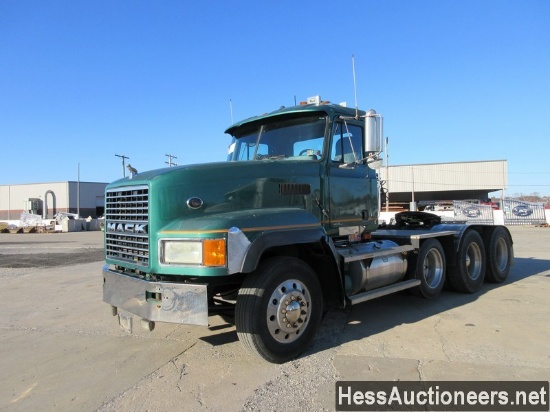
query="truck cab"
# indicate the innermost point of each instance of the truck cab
(322, 148)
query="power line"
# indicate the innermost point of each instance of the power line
(170, 163)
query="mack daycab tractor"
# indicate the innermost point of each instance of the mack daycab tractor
(285, 228)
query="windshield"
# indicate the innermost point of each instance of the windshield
(295, 138)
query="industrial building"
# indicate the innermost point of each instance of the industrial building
(48, 199)
(424, 183)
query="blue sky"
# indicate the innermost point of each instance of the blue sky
(81, 81)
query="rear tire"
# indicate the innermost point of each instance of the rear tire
(430, 269)
(499, 256)
(469, 272)
(279, 309)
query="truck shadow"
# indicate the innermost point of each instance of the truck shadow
(385, 313)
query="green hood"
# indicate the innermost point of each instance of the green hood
(227, 188)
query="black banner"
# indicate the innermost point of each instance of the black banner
(442, 396)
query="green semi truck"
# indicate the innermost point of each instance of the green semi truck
(287, 227)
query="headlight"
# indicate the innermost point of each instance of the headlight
(182, 252)
(208, 252)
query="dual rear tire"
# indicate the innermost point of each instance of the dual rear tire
(478, 259)
(468, 273)
(430, 268)
(499, 255)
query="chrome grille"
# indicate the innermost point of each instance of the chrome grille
(127, 224)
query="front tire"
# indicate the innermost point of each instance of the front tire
(279, 308)
(469, 272)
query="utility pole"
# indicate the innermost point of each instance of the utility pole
(123, 165)
(77, 194)
(413, 203)
(170, 163)
(387, 176)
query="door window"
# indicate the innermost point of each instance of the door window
(347, 143)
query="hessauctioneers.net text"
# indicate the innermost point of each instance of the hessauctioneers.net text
(442, 396)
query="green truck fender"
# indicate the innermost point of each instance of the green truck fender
(244, 255)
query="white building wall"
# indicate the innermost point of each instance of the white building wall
(446, 176)
(89, 193)
(14, 199)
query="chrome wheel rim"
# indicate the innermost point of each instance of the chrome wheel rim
(433, 268)
(473, 261)
(501, 255)
(288, 311)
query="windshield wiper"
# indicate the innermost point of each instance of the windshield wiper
(258, 142)
(268, 157)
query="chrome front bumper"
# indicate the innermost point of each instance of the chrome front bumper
(156, 301)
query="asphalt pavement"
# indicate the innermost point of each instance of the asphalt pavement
(61, 349)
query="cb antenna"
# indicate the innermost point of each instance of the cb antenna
(354, 86)
(231, 110)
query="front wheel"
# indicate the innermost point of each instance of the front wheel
(279, 309)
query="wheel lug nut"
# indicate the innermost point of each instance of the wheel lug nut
(283, 311)
(293, 298)
(287, 302)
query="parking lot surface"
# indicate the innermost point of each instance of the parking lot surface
(61, 349)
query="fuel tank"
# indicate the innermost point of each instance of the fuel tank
(375, 271)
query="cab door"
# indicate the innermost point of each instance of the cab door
(352, 186)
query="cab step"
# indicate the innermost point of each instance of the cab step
(386, 290)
